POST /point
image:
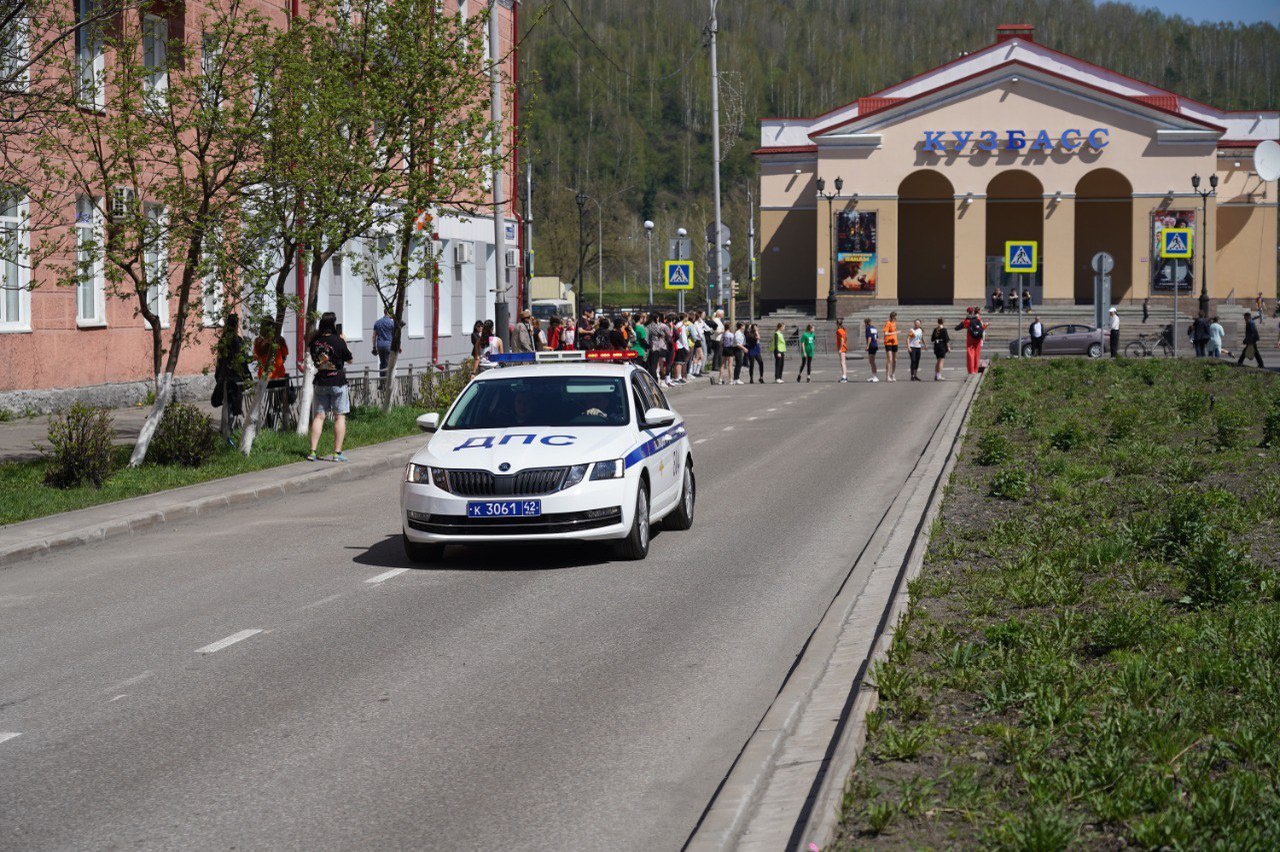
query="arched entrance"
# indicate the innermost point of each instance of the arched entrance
(1104, 222)
(926, 239)
(1015, 211)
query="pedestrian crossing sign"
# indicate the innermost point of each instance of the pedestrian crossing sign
(1021, 256)
(1175, 243)
(678, 274)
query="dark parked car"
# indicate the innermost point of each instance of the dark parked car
(1071, 339)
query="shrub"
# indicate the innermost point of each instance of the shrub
(80, 442)
(993, 448)
(1271, 426)
(1067, 437)
(1230, 427)
(1011, 484)
(185, 436)
(1215, 573)
(1009, 414)
(437, 391)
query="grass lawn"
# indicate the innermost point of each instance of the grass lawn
(1091, 658)
(26, 496)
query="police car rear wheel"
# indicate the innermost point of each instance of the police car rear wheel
(682, 517)
(420, 553)
(636, 544)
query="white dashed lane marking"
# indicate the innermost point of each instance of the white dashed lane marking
(131, 681)
(5, 736)
(701, 441)
(727, 429)
(382, 578)
(320, 602)
(230, 640)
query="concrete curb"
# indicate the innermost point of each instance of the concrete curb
(22, 541)
(785, 788)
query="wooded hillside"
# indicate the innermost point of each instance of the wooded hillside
(618, 105)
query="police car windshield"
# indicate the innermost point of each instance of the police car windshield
(500, 403)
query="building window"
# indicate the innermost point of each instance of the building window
(89, 62)
(156, 258)
(15, 42)
(155, 52)
(210, 54)
(15, 297)
(90, 280)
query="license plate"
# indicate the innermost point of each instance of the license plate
(505, 509)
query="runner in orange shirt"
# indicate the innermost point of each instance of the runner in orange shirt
(891, 345)
(842, 346)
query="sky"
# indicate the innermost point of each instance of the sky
(1248, 11)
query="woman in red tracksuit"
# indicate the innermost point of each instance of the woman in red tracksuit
(975, 331)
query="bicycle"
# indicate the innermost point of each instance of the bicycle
(1146, 344)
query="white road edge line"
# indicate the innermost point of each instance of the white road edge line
(5, 736)
(382, 578)
(230, 640)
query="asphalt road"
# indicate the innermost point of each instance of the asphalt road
(527, 698)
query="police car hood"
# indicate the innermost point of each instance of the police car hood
(526, 447)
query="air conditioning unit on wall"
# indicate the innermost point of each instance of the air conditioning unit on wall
(463, 252)
(513, 258)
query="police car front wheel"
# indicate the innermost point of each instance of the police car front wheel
(682, 517)
(636, 544)
(420, 553)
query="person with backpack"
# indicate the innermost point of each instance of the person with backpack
(1251, 338)
(330, 354)
(941, 340)
(975, 330)
(871, 343)
(779, 348)
(806, 353)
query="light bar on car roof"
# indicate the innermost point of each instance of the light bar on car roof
(562, 357)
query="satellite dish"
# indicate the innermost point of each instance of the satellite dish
(1266, 160)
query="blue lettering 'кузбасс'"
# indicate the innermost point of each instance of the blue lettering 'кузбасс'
(1071, 139)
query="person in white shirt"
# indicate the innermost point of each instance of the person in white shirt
(915, 347)
(715, 340)
(1037, 336)
(739, 351)
(1115, 334)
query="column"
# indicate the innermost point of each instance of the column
(970, 266)
(1058, 253)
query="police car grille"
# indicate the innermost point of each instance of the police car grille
(526, 483)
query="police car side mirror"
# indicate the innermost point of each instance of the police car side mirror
(659, 417)
(429, 422)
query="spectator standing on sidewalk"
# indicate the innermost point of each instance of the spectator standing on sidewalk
(383, 331)
(640, 341)
(230, 371)
(975, 331)
(753, 354)
(727, 349)
(1200, 335)
(1216, 334)
(779, 348)
(1146, 310)
(330, 354)
(842, 347)
(871, 343)
(1036, 332)
(1251, 337)
(1113, 324)
(941, 340)
(891, 346)
(806, 354)
(659, 340)
(523, 340)
(739, 351)
(715, 340)
(915, 347)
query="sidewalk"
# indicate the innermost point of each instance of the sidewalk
(85, 526)
(21, 438)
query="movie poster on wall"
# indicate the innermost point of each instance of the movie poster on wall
(856, 252)
(1166, 272)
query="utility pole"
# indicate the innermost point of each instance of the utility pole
(751, 255)
(528, 231)
(501, 311)
(714, 28)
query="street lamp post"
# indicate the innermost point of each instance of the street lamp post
(648, 238)
(831, 199)
(681, 233)
(1204, 239)
(581, 198)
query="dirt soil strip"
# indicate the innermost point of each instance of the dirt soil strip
(784, 788)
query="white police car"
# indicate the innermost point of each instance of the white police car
(561, 445)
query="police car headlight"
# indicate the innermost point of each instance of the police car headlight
(416, 473)
(440, 478)
(608, 470)
(574, 476)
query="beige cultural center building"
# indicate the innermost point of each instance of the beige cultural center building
(920, 186)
